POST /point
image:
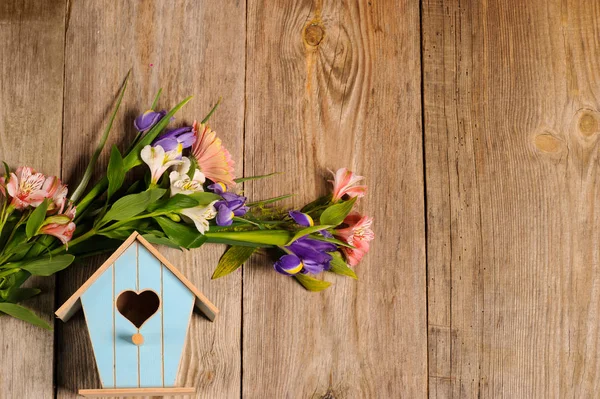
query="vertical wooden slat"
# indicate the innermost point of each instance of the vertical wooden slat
(187, 48)
(151, 353)
(98, 306)
(31, 92)
(512, 121)
(332, 84)
(127, 373)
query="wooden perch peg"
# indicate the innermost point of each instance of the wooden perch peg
(137, 339)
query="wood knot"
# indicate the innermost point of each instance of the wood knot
(588, 124)
(547, 143)
(314, 34)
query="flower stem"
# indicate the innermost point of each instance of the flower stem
(74, 242)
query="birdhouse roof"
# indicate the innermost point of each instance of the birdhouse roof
(73, 304)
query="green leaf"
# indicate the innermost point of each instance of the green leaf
(133, 204)
(193, 166)
(173, 204)
(339, 266)
(270, 200)
(311, 283)
(306, 231)
(155, 102)
(151, 238)
(181, 234)
(115, 172)
(204, 197)
(117, 234)
(263, 237)
(18, 239)
(232, 259)
(133, 158)
(243, 179)
(316, 203)
(335, 214)
(207, 117)
(46, 266)
(6, 171)
(90, 168)
(16, 294)
(22, 313)
(332, 240)
(36, 219)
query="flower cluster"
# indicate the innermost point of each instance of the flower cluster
(24, 190)
(189, 196)
(311, 255)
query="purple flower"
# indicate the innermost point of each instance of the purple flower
(148, 119)
(312, 253)
(183, 136)
(218, 188)
(303, 219)
(288, 265)
(231, 205)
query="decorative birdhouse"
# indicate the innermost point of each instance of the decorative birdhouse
(137, 307)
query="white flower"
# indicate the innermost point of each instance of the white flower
(159, 161)
(200, 215)
(181, 182)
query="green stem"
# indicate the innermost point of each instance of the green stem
(116, 225)
(9, 272)
(94, 193)
(12, 233)
(239, 219)
(74, 242)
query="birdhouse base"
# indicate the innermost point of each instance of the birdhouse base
(117, 392)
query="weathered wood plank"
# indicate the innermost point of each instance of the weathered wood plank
(185, 47)
(332, 84)
(511, 100)
(31, 92)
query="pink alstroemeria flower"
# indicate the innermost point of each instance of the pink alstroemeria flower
(57, 191)
(358, 234)
(214, 161)
(61, 226)
(26, 188)
(344, 183)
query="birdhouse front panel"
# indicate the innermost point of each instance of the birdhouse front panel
(138, 313)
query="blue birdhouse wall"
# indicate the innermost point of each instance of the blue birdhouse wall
(137, 307)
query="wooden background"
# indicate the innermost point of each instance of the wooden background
(475, 122)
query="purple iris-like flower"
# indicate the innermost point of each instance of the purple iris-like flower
(303, 219)
(218, 188)
(312, 253)
(231, 205)
(288, 265)
(171, 139)
(148, 119)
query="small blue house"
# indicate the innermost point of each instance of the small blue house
(137, 307)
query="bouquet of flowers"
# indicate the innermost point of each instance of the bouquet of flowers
(190, 197)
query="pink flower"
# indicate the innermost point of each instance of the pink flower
(26, 188)
(358, 234)
(61, 226)
(214, 161)
(343, 184)
(57, 191)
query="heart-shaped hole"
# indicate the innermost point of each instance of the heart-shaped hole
(137, 308)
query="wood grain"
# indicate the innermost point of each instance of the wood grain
(511, 101)
(324, 91)
(31, 93)
(187, 48)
